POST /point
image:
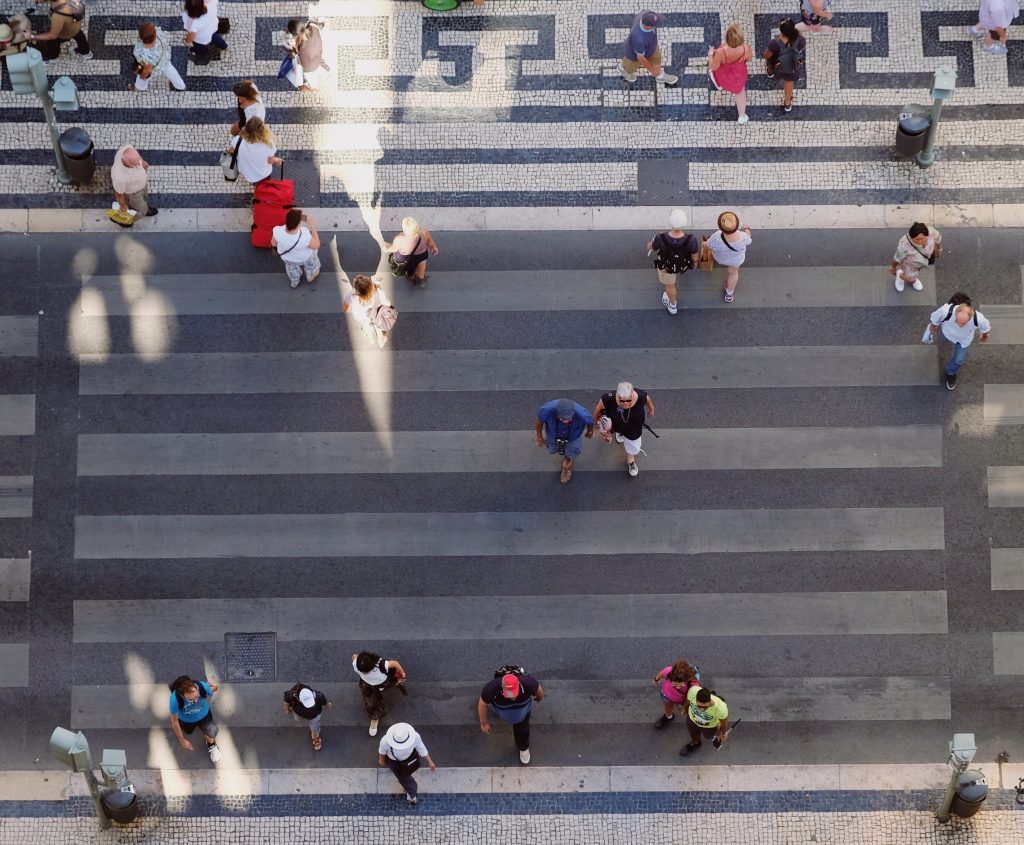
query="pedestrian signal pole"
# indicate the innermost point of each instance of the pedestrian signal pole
(28, 76)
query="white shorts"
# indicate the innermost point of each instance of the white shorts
(632, 447)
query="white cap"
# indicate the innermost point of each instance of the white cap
(677, 219)
(306, 697)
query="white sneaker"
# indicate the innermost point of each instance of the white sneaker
(373, 727)
(900, 284)
(743, 118)
(672, 309)
(629, 77)
(214, 752)
(917, 285)
(632, 469)
(667, 78)
(84, 55)
(976, 33)
(618, 437)
(524, 757)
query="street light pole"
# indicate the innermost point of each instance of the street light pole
(942, 89)
(961, 752)
(51, 122)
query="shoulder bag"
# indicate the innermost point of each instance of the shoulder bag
(229, 162)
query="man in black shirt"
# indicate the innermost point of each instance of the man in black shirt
(626, 408)
(510, 697)
(306, 703)
(677, 252)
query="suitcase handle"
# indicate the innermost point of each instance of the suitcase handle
(282, 168)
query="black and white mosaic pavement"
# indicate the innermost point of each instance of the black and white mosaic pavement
(521, 104)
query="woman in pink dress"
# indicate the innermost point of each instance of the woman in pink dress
(727, 67)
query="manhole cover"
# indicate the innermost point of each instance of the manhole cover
(251, 657)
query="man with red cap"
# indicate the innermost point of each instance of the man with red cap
(641, 50)
(510, 697)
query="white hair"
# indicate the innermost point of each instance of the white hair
(624, 390)
(410, 227)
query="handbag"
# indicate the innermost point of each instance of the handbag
(707, 260)
(408, 766)
(287, 63)
(223, 26)
(229, 162)
(384, 318)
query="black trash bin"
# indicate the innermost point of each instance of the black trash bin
(912, 131)
(120, 805)
(79, 159)
(971, 792)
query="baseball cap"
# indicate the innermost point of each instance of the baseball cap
(306, 697)
(565, 409)
(650, 18)
(677, 219)
(510, 686)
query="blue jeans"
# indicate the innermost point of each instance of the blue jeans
(572, 448)
(957, 361)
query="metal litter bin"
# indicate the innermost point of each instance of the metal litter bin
(79, 157)
(912, 131)
(971, 792)
(120, 806)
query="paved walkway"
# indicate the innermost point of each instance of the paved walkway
(893, 805)
(521, 104)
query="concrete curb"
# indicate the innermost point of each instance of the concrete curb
(600, 218)
(60, 785)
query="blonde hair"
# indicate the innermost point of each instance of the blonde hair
(256, 131)
(410, 227)
(734, 35)
(728, 222)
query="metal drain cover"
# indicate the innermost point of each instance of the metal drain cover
(251, 657)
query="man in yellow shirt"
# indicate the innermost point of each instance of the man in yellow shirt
(707, 715)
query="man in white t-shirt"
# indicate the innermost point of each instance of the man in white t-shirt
(959, 321)
(297, 246)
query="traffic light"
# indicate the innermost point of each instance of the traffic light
(28, 74)
(71, 749)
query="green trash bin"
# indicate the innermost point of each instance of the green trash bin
(441, 5)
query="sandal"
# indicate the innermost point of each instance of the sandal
(318, 743)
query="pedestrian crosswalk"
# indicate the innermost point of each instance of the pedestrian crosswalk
(275, 474)
(18, 344)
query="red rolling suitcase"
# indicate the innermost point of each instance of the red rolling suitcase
(270, 203)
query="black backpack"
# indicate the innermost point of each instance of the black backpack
(673, 257)
(788, 60)
(509, 669)
(291, 696)
(959, 299)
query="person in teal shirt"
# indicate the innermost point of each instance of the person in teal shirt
(190, 709)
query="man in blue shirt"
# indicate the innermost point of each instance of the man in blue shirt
(190, 709)
(560, 426)
(640, 49)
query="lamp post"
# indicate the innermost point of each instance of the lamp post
(961, 752)
(72, 750)
(28, 76)
(943, 87)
